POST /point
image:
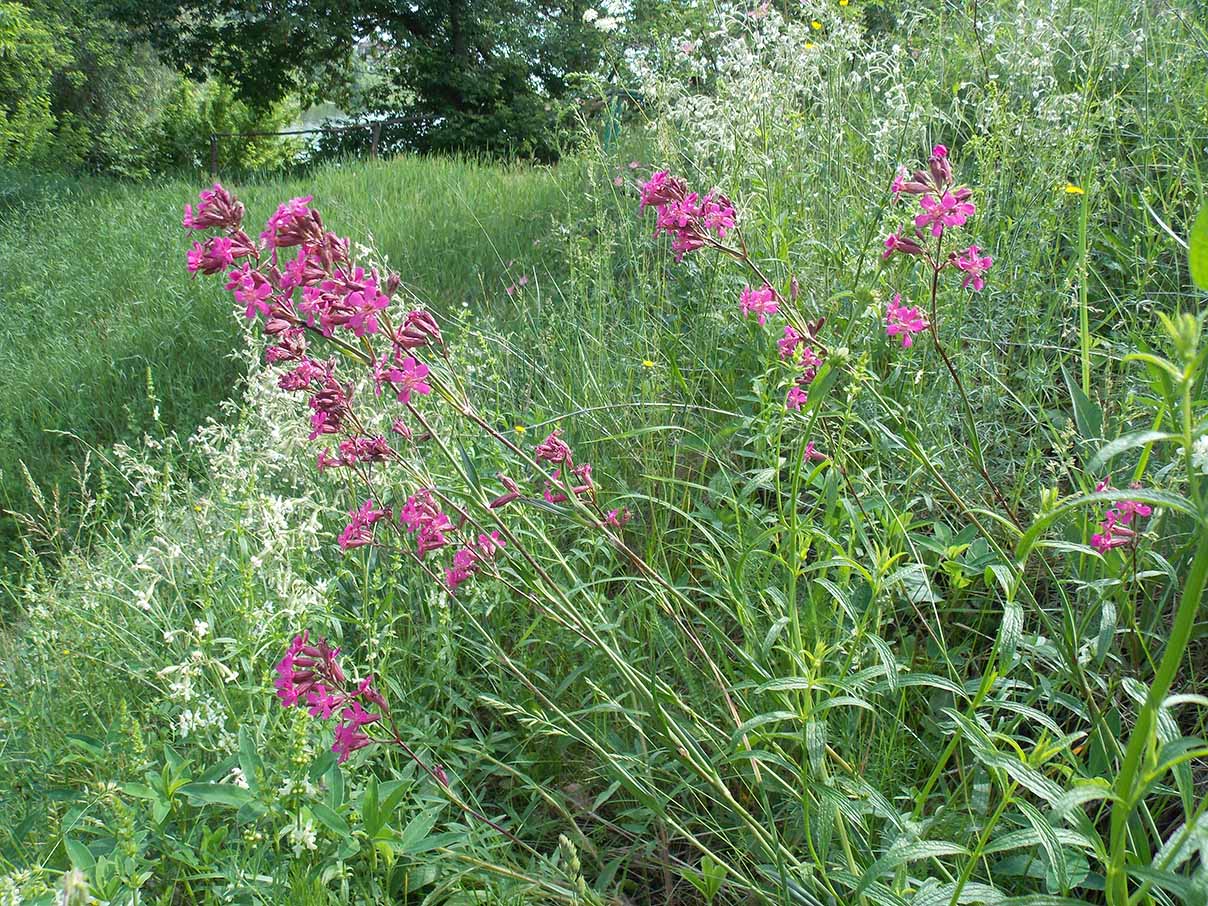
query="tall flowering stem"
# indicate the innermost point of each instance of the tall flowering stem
(943, 206)
(322, 296)
(696, 222)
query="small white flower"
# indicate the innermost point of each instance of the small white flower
(1199, 455)
(590, 15)
(302, 837)
(201, 627)
(606, 23)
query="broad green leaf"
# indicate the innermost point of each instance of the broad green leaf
(330, 819)
(81, 856)
(217, 794)
(1197, 250)
(1126, 442)
(1088, 417)
(908, 852)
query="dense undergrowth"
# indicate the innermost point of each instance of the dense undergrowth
(904, 673)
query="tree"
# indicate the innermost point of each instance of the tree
(29, 56)
(481, 74)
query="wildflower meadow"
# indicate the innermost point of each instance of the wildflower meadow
(794, 494)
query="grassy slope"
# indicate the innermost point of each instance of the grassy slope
(93, 301)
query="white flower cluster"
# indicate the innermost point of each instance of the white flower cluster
(610, 16)
(1199, 455)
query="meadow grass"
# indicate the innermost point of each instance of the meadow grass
(914, 701)
(100, 344)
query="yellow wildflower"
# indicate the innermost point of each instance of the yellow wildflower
(1071, 189)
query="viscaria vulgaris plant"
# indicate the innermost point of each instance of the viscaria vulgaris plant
(371, 372)
(710, 222)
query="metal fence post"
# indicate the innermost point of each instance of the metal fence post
(377, 134)
(213, 156)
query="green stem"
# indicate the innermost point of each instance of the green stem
(1126, 793)
(1083, 306)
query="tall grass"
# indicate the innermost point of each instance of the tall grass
(100, 344)
(854, 681)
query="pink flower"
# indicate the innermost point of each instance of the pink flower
(214, 256)
(1115, 529)
(322, 702)
(896, 242)
(810, 363)
(899, 181)
(797, 397)
(717, 214)
(293, 224)
(410, 379)
(903, 321)
(951, 209)
(618, 518)
(688, 218)
(813, 455)
(358, 532)
(419, 329)
(304, 270)
(510, 495)
(974, 266)
(553, 449)
(329, 405)
(218, 208)
(789, 342)
(348, 734)
(761, 302)
(365, 304)
(252, 289)
(661, 188)
(422, 516)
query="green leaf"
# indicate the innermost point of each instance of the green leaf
(417, 830)
(81, 856)
(1087, 415)
(330, 819)
(1127, 442)
(467, 466)
(217, 794)
(908, 852)
(249, 759)
(369, 807)
(1197, 250)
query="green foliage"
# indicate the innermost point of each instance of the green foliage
(850, 681)
(29, 56)
(469, 75)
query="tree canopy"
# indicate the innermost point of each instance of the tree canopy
(484, 74)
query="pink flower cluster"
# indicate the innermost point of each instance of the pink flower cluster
(317, 292)
(943, 206)
(310, 675)
(556, 451)
(469, 559)
(359, 532)
(760, 302)
(1115, 530)
(692, 221)
(796, 348)
(903, 321)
